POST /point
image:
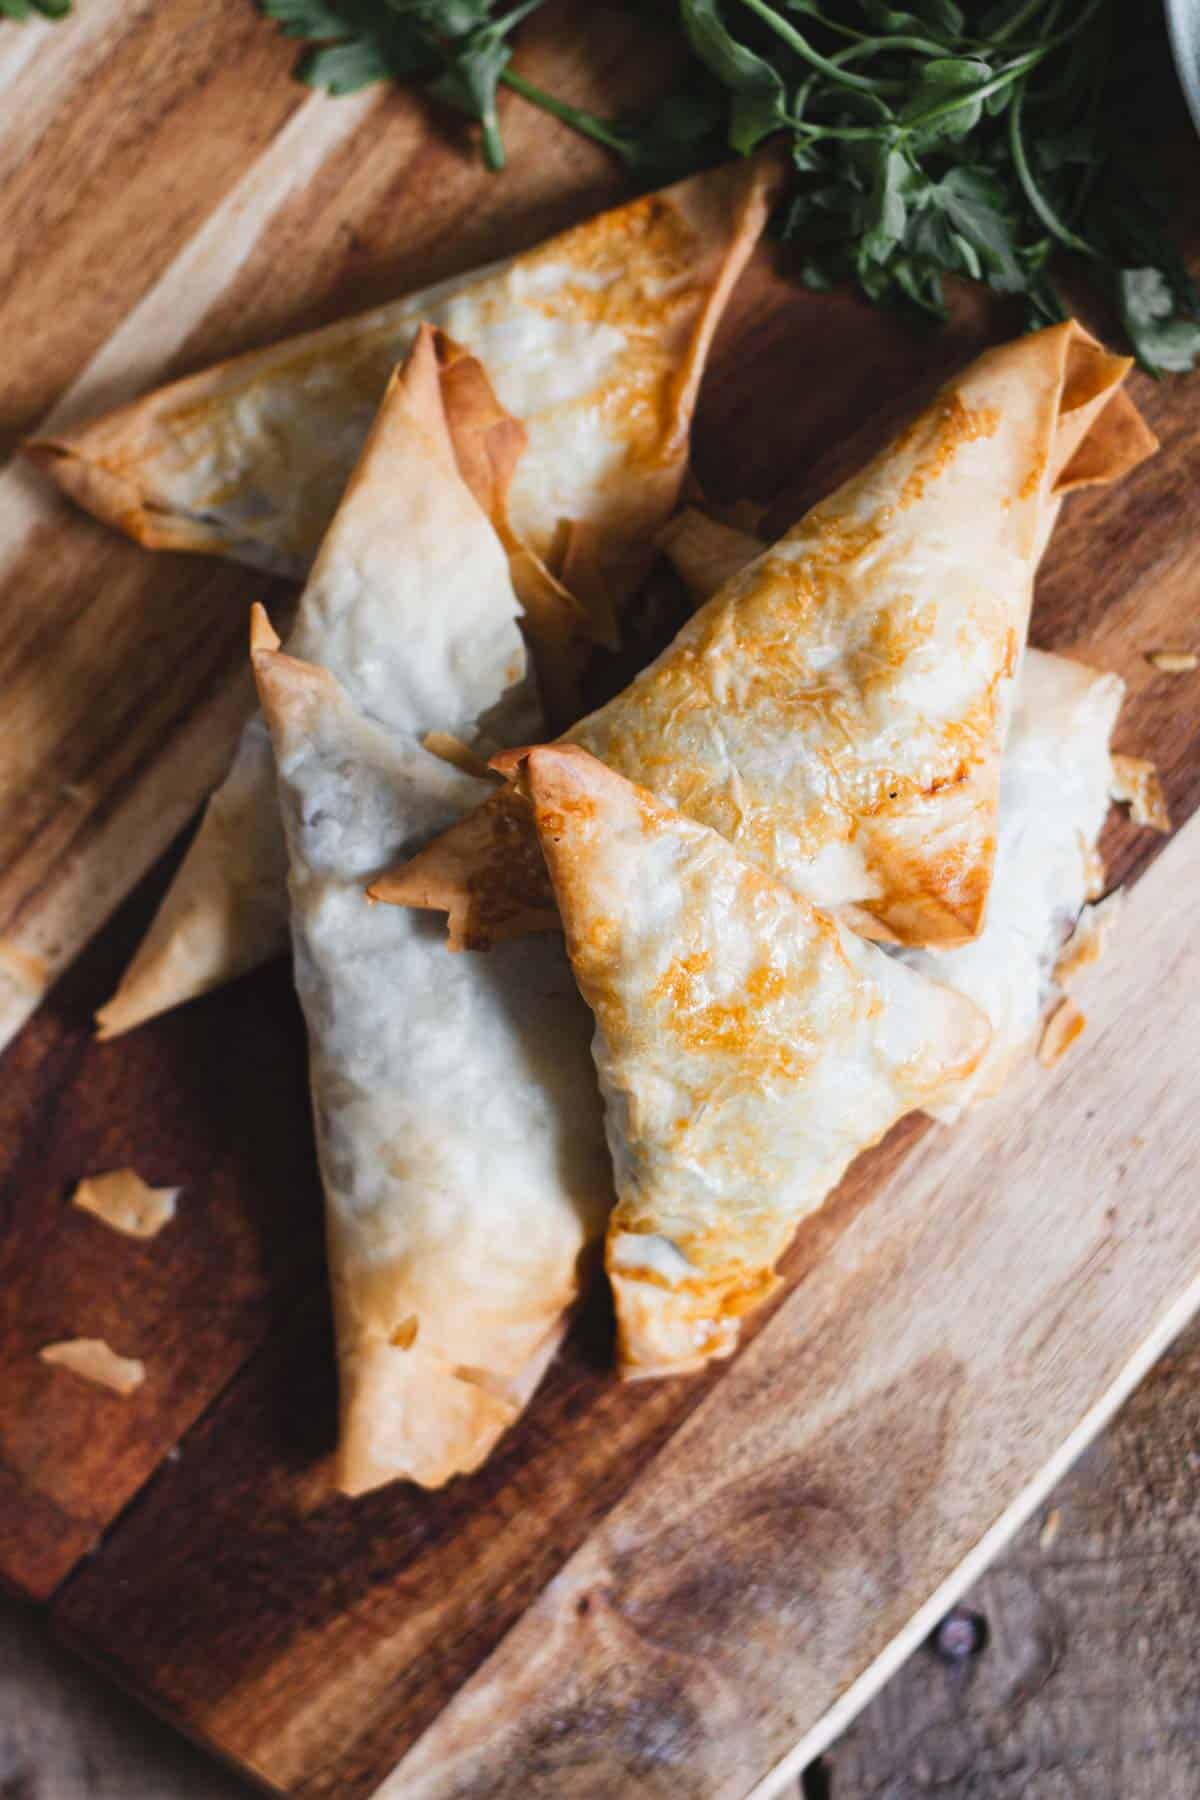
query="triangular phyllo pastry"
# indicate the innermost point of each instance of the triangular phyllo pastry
(748, 1048)
(411, 604)
(458, 1123)
(1055, 785)
(838, 709)
(596, 340)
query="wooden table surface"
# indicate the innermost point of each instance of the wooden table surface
(158, 135)
(1088, 1687)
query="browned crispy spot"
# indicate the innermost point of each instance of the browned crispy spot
(405, 1334)
(486, 873)
(1062, 1028)
(955, 424)
(1135, 783)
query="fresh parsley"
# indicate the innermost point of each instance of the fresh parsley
(28, 9)
(992, 141)
(928, 140)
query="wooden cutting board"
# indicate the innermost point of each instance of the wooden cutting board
(679, 1588)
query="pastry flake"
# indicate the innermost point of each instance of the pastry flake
(1091, 937)
(1062, 1029)
(122, 1200)
(1173, 662)
(1136, 784)
(94, 1361)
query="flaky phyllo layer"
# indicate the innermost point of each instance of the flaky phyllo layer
(748, 1047)
(594, 344)
(596, 340)
(838, 710)
(409, 528)
(456, 1107)
(1055, 785)
(457, 1117)
(1054, 797)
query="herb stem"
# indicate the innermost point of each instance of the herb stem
(884, 46)
(1033, 193)
(929, 138)
(493, 143)
(953, 102)
(864, 84)
(1003, 32)
(589, 124)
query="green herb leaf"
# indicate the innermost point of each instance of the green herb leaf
(1163, 337)
(978, 208)
(886, 212)
(752, 117)
(305, 18)
(816, 275)
(920, 281)
(945, 22)
(927, 138)
(449, 18)
(943, 81)
(344, 68)
(469, 84)
(733, 63)
(20, 10)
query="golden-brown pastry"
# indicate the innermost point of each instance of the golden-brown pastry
(1054, 793)
(458, 1121)
(838, 709)
(412, 606)
(748, 1047)
(596, 340)
(1053, 802)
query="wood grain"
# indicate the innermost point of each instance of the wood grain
(877, 1428)
(64, 1736)
(123, 130)
(194, 202)
(1087, 1683)
(361, 1606)
(1087, 1674)
(186, 1108)
(931, 1359)
(121, 673)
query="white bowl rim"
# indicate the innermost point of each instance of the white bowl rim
(1183, 27)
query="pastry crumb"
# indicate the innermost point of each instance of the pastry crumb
(92, 1359)
(122, 1200)
(27, 970)
(1089, 940)
(1062, 1028)
(1173, 662)
(1135, 784)
(452, 750)
(1051, 1526)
